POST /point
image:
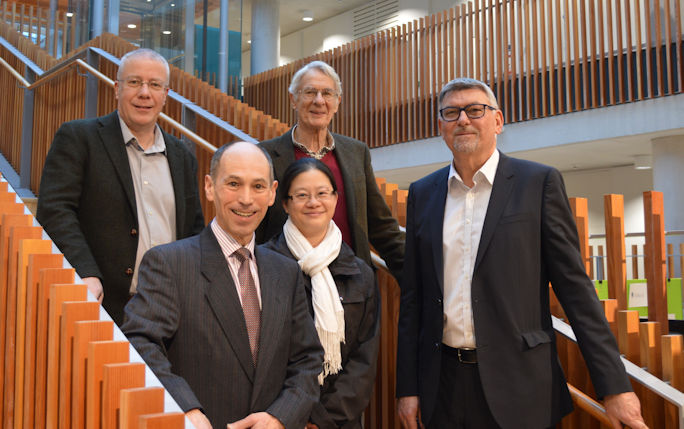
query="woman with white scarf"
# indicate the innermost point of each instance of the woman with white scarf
(342, 292)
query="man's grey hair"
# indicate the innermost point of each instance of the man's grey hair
(143, 53)
(216, 160)
(462, 83)
(315, 65)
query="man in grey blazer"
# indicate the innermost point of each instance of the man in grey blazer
(114, 186)
(193, 320)
(361, 213)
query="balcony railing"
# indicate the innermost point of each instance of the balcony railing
(542, 58)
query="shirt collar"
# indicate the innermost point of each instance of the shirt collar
(329, 145)
(487, 171)
(228, 244)
(159, 146)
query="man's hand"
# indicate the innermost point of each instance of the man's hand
(198, 419)
(310, 426)
(409, 412)
(95, 287)
(625, 408)
(257, 421)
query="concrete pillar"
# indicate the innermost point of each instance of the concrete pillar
(265, 35)
(223, 47)
(189, 63)
(113, 17)
(668, 177)
(98, 18)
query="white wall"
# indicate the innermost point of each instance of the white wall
(594, 184)
(631, 183)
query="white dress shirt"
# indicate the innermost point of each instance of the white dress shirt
(228, 246)
(464, 215)
(154, 196)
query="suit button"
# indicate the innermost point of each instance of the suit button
(437, 345)
(439, 300)
(129, 271)
(134, 232)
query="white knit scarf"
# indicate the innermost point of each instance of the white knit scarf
(328, 311)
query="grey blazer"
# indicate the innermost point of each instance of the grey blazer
(187, 323)
(369, 216)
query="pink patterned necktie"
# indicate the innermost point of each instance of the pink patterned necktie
(250, 301)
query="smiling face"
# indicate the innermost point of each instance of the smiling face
(242, 190)
(471, 137)
(311, 215)
(315, 114)
(140, 107)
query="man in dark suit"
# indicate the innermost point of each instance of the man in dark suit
(361, 213)
(222, 323)
(114, 186)
(485, 236)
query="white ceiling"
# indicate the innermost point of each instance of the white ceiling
(291, 14)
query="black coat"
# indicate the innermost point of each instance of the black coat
(345, 395)
(528, 240)
(87, 203)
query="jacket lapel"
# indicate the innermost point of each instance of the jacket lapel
(272, 319)
(112, 140)
(349, 169)
(174, 157)
(435, 211)
(501, 192)
(283, 154)
(223, 299)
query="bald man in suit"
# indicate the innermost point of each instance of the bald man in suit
(223, 323)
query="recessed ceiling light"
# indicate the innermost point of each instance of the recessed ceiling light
(167, 32)
(643, 162)
(249, 41)
(69, 14)
(307, 16)
(173, 4)
(131, 26)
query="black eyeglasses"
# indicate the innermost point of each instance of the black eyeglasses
(472, 111)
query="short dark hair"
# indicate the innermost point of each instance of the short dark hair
(216, 160)
(300, 166)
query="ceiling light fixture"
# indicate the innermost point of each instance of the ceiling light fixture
(307, 16)
(249, 41)
(69, 14)
(167, 32)
(643, 162)
(131, 26)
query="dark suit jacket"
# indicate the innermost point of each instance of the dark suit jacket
(528, 239)
(345, 395)
(369, 216)
(87, 202)
(187, 323)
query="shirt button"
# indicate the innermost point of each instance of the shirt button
(146, 182)
(134, 232)
(129, 271)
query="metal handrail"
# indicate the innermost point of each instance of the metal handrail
(14, 73)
